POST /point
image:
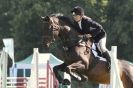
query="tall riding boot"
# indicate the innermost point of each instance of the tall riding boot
(108, 58)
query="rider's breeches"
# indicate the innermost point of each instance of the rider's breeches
(101, 45)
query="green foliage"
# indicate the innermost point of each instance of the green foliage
(120, 26)
(26, 26)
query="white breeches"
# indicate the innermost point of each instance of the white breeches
(101, 45)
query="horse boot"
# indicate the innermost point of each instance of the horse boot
(66, 82)
(108, 58)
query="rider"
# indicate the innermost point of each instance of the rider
(85, 25)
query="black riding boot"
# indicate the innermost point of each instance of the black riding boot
(108, 58)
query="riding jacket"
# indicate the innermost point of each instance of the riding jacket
(88, 26)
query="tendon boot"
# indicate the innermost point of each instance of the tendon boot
(66, 82)
(108, 58)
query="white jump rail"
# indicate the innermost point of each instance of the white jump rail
(9, 82)
(115, 81)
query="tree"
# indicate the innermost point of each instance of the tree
(120, 26)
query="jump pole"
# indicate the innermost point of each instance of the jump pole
(115, 81)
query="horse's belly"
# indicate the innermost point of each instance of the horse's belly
(99, 79)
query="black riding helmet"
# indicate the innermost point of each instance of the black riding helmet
(77, 10)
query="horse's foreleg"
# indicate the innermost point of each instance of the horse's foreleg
(58, 68)
(77, 66)
(83, 55)
(75, 70)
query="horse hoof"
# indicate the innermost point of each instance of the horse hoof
(66, 82)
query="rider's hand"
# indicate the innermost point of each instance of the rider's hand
(67, 28)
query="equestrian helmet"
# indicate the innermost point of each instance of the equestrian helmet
(77, 10)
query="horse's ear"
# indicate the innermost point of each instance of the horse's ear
(46, 18)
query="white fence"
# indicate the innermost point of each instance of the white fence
(9, 82)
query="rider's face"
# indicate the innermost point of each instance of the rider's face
(77, 18)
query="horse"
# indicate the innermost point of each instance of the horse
(61, 28)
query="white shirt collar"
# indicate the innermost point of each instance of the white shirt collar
(80, 24)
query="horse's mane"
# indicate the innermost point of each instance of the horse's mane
(57, 14)
(65, 19)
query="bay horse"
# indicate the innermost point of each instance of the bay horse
(61, 29)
